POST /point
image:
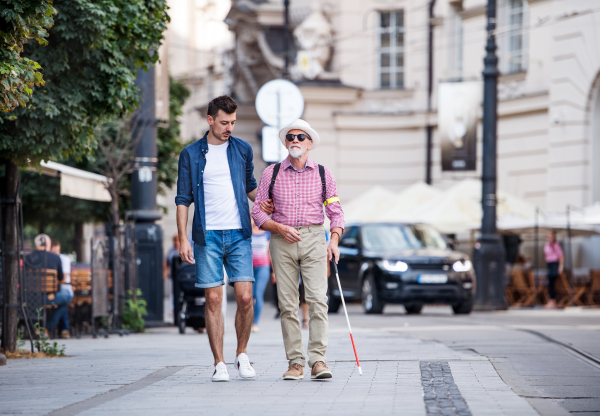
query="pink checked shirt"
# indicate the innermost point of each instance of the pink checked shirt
(297, 196)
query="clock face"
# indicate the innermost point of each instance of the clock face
(279, 102)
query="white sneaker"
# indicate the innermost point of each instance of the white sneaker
(220, 373)
(242, 363)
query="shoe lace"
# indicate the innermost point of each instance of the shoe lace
(296, 366)
(245, 362)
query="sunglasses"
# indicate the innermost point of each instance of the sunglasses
(301, 137)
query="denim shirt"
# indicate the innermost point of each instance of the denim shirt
(190, 187)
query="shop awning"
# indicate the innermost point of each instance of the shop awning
(77, 183)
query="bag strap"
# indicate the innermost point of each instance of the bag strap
(323, 185)
(325, 200)
(273, 178)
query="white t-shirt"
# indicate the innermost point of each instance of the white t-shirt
(66, 267)
(219, 199)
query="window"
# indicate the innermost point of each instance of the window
(391, 49)
(456, 42)
(515, 54)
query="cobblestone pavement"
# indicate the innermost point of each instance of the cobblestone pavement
(162, 372)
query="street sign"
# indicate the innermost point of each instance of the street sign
(279, 102)
(272, 149)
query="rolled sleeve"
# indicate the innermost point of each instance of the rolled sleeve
(185, 194)
(250, 180)
(262, 194)
(334, 210)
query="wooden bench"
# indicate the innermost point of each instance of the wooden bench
(593, 291)
(520, 292)
(81, 281)
(564, 293)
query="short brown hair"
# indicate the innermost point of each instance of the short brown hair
(224, 102)
(55, 243)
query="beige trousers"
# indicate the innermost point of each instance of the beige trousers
(309, 255)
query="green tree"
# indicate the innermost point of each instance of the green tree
(94, 50)
(45, 209)
(21, 21)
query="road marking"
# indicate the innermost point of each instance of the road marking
(76, 408)
(582, 355)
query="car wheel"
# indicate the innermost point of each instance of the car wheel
(370, 297)
(463, 308)
(413, 309)
(333, 304)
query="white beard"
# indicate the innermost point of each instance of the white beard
(295, 152)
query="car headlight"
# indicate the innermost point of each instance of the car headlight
(394, 266)
(462, 266)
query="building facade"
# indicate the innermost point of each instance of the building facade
(362, 66)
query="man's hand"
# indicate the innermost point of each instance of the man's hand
(289, 234)
(333, 251)
(185, 251)
(267, 206)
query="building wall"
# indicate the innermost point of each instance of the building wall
(549, 114)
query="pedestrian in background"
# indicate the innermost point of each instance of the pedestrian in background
(216, 174)
(261, 263)
(65, 287)
(297, 191)
(42, 258)
(554, 264)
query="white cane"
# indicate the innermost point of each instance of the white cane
(337, 276)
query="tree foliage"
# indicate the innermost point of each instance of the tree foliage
(90, 64)
(21, 21)
(45, 209)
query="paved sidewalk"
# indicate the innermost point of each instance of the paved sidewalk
(125, 368)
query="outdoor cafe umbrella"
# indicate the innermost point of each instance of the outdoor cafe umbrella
(458, 209)
(407, 204)
(367, 205)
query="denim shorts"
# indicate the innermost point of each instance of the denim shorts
(226, 248)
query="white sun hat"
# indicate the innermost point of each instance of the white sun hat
(305, 127)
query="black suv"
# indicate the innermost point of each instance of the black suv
(409, 264)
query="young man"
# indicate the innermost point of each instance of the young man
(297, 239)
(216, 174)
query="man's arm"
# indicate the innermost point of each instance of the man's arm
(252, 195)
(183, 200)
(59, 270)
(251, 186)
(185, 249)
(335, 214)
(332, 248)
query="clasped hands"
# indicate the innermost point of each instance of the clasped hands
(291, 235)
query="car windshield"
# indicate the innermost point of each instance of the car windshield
(399, 237)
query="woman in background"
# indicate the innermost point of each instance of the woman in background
(554, 263)
(261, 261)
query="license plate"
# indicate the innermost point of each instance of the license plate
(432, 278)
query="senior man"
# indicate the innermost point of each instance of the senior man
(298, 188)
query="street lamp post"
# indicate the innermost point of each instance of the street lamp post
(286, 29)
(144, 185)
(488, 256)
